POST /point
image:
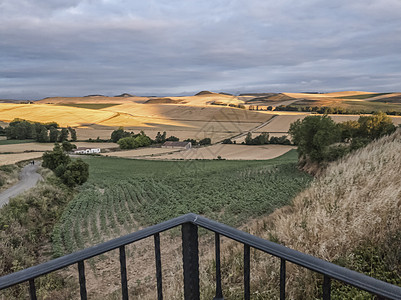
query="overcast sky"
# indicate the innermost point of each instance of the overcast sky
(166, 47)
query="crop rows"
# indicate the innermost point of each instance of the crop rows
(107, 208)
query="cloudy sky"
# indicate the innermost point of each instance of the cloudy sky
(166, 47)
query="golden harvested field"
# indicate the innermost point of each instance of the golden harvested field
(8, 159)
(188, 113)
(231, 152)
(328, 95)
(18, 148)
(64, 116)
(281, 123)
(140, 152)
(190, 100)
(92, 99)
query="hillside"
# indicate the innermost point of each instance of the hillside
(350, 213)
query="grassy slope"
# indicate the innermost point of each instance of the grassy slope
(351, 216)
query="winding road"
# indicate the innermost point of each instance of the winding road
(28, 179)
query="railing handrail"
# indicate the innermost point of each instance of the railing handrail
(329, 269)
(70, 259)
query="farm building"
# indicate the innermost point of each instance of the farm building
(182, 145)
(84, 150)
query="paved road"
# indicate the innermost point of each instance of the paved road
(28, 179)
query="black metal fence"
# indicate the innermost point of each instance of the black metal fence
(189, 227)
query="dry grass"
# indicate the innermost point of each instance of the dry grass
(357, 200)
(9, 159)
(64, 116)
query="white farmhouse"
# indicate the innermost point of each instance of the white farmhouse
(85, 150)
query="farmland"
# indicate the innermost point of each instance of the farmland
(141, 193)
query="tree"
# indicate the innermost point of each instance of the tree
(75, 173)
(53, 134)
(73, 134)
(118, 134)
(172, 139)
(52, 159)
(141, 140)
(375, 126)
(63, 135)
(192, 141)
(313, 135)
(20, 130)
(2, 131)
(68, 147)
(42, 136)
(248, 139)
(205, 141)
(349, 129)
(160, 138)
(227, 141)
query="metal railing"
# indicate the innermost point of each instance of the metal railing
(189, 227)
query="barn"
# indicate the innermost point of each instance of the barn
(179, 145)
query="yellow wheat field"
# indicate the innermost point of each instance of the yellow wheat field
(64, 116)
(9, 159)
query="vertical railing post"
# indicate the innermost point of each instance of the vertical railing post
(219, 292)
(247, 272)
(123, 270)
(190, 255)
(32, 289)
(158, 267)
(326, 287)
(282, 279)
(82, 283)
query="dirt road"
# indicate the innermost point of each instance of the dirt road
(28, 179)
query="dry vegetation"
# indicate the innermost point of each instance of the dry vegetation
(356, 202)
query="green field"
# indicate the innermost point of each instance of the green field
(90, 105)
(123, 194)
(10, 142)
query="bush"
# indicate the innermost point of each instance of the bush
(313, 135)
(261, 139)
(118, 134)
(70, 172)
(55, 158)
(75, 173)
(205, 141)
(172, 139)
(227, 141)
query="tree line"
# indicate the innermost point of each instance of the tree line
(261, 139)
(130, 140)
(328, 110)
(320, 139)
(20, 129)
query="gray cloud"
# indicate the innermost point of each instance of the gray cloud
(82, 47)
